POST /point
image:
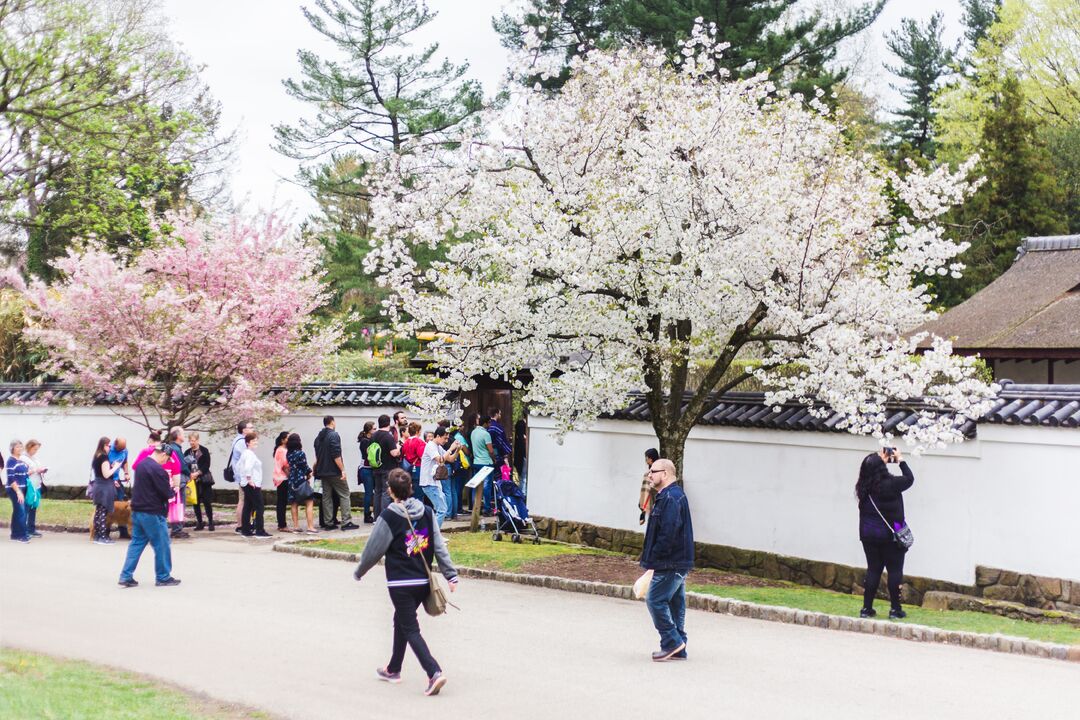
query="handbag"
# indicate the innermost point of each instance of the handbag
(192, 494)
(303, 493)
(33, 495)
(176, 509)
(438, 596)
(441, 473)
(463, 459)
(903, 537)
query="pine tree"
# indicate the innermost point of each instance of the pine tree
(379, 95)
(925, 62)
(1021, 197)
(978, 16)
(796, 53)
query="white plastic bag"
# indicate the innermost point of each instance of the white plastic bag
(641, 585)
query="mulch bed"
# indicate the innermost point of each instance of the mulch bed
(624, 571)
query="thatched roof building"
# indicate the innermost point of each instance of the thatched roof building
(1026, 323)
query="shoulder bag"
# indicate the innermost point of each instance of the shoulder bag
(438, 588)
(228, 473)
(903, 537)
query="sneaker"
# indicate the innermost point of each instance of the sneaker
(169, 582)
(435, 684)
(368, 519)
(128, 583)
(897, 614)
(262, 535)
(867, 612)
(665, 655)
(99, 541)
(237, 529)
(389, 677)
(35, 534)
(25, 540)
(350, 526)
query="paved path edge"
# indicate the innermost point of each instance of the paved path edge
(740, 608)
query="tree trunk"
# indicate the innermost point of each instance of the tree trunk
(672, 447)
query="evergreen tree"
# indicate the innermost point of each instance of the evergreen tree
(978, 16)
(925, 62)
(379, 95)
(797, 51)
(1021, 197)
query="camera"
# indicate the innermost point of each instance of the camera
(890, 454)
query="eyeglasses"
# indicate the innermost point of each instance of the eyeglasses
(656, 471)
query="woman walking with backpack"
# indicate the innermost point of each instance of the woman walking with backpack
(407, 535)
(881, 512)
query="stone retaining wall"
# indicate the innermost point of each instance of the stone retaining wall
(954, 601)
(1031, 590)
(831, 576)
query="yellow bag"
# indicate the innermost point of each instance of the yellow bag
(464, 459)
(192, 495)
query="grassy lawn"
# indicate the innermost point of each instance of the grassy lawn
(826, 601)
(479, 551)
(38, 686)
(79, 513)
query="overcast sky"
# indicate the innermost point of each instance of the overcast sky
(247, 47)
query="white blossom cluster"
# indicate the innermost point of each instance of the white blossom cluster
(650, 212)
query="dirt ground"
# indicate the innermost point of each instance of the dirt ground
(624, 571)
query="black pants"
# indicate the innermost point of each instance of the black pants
(253, 503)
(282, 494)
(206, 500)
(883, 555)
(379, 490)
(407, 629)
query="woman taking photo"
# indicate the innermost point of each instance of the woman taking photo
(881, 511)
(281, 474)
(407, 535)
(299, 484)
(103, 490)
(198, 459)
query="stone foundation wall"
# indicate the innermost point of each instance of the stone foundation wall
(1031, 590)
(831, 576)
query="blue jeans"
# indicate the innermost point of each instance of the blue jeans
(367, 479)
(438, 501)
(667, 606)
(151, 529)
(457, 487)
(31, 521)
(18, 516)
(448, 493)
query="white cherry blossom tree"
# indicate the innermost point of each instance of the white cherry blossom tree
(650, 217)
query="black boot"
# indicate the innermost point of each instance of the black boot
(124, 535)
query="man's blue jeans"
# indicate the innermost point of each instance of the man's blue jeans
(151, 529)
(438, 501)
(667, 606)
(448, 492)
(18, 516)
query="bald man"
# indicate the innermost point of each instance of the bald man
(669, 553)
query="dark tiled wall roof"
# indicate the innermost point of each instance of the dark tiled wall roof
(1044, 405)
(355, 394)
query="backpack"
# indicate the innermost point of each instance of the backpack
(374, 455)
(228, 473)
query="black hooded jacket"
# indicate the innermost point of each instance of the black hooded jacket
(327, 449)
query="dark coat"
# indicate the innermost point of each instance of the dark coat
(887, 491)
(669, 536)
(327, 449)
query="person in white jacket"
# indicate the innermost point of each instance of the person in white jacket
(249, 475)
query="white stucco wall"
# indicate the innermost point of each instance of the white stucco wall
(1009, 499)
(69, 436)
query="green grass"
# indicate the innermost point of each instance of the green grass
(38, 686)
(826, 601)
(79, 513)
(479, 551)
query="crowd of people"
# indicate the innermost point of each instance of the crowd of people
(400, 461)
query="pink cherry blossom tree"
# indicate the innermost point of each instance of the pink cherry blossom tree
(650, 218)
(211, 325)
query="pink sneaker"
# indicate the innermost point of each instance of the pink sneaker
(387, 676)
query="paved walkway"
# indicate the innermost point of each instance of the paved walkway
(299, 638)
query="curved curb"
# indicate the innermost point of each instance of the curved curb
(739, 608)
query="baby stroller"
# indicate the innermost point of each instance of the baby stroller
(512, 516)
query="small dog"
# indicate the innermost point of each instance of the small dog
(120, 515)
